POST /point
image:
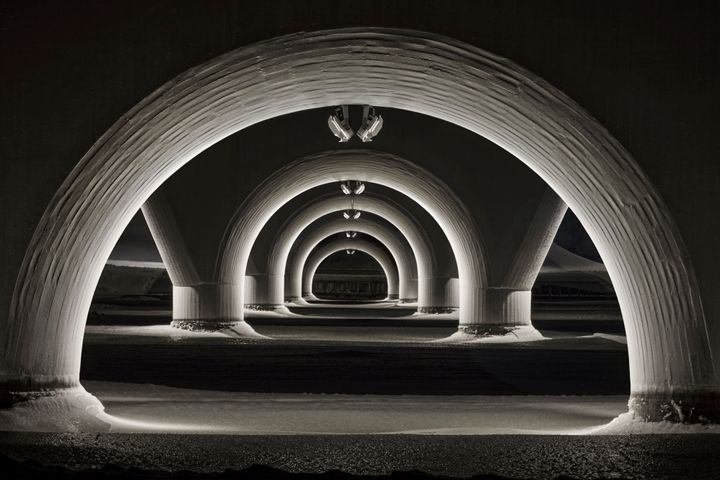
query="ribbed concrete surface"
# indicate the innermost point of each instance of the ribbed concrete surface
(669, 347)
(320, 254)
(508, 307)
(214, 303)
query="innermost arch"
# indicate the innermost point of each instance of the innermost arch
(350, 278)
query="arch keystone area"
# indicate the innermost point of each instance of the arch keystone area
(673, 361)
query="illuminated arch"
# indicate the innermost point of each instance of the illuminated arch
(320, 254)
(389, 237)
(428, 294)
(670, 351)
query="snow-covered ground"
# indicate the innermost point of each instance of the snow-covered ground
(153, 408)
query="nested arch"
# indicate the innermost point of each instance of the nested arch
(380, 168)
(419, 242)
(321, 253)
(382, 232)
(669, 347)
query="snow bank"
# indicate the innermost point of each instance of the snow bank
(631, 424)
(65, 410)
(613, 338)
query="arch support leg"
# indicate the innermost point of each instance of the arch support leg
(435, 297)
(504, 318)
(264, 294)
(210, 307)
(677, 406)
(48, 406)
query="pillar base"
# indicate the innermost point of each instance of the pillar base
(233, 328)
(263, 307)
(493, 333)
(52, 410)
(437, 310)
(402, 301)
(676, 407)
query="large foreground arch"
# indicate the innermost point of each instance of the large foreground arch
(671, 354)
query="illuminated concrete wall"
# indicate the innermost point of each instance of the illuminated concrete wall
(57, 250)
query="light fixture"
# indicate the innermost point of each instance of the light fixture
(359, 188)
(339, 123)
(350, 251)
(371, 124)
(351, 214)
(351, 234)
(347, 187)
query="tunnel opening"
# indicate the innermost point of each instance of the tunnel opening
(374, 342)
(568, 149)
(349, 276)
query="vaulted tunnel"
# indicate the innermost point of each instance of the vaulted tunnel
(491, 97)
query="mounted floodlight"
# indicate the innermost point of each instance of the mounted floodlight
(347, 187)
(351, 234)
(359, 188)
(351, 214)
(339, 123)
(371, 124)
(350, 251)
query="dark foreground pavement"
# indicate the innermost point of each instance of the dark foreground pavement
(509, 456)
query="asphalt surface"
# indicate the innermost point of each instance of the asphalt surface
(511, 456)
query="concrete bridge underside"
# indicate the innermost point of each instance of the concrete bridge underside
(635, 213)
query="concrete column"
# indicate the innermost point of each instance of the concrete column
(508, 297)
(205, 307)
(200, 303)
(505, 310)
(439, 298)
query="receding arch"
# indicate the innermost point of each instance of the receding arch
(428, 294)
(369, 166)
(323, 252)
(671, 353)
(383, 233)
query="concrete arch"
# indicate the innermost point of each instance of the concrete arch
(430, 291)
(390, 237)
(376, 167)
(673, 360)
(320, 254)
